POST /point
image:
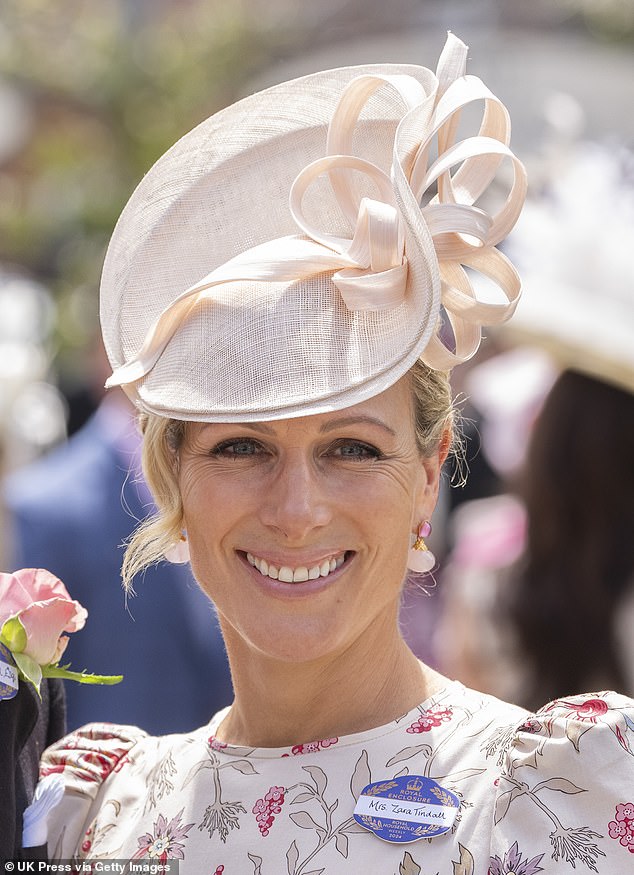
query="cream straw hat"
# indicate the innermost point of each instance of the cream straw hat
(296, 252)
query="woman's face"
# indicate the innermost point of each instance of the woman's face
(299, 529)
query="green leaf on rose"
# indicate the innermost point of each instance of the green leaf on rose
(29, 670)
(13, 635)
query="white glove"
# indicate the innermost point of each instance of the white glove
(48, 794)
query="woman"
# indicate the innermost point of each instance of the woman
(297, 414)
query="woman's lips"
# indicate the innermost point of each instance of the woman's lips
(300, 573)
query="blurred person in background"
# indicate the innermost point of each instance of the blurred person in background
(538, 595)
(71, 512)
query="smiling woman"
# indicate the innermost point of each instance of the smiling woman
(287, 534)
(277, 299)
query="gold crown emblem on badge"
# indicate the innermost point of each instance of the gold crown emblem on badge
(415, 785)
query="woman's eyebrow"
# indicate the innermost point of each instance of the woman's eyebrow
(356, 420)
(262, 427)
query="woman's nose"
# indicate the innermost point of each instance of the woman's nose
(296, 499)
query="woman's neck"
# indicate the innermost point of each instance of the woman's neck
(280, 703)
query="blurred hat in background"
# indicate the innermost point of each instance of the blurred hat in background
(573, 246)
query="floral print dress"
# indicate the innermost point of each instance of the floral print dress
(546, 792)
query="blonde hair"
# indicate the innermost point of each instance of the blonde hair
(162, 438)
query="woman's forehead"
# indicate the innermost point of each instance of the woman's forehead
(390, 411)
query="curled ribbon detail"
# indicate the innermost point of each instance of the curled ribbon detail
(376, 277)
(424, 212)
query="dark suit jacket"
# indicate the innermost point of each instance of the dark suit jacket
(27, 726)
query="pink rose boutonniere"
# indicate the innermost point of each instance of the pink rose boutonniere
(35, 611)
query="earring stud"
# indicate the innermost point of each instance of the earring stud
(178, 554)
(420, 557)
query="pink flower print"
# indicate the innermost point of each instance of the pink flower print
(617, 829)
(165, 843)
(622, 828)
(312, 746)
(275, 795)
(86, 845)
(219, 870)
(95, 766)
(532, 726)
(429, 719)
(124, 761)
(512, 864)
(214, 744)
(625, 811)
(582, 713)
(90, 765)
(264, 809)
(588, 710)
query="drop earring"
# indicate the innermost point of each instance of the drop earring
(178, 554)
(420, 558)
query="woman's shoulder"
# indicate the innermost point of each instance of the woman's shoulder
(569, 726)
(584, 711)
(88, 755)
(106, 762)
(566, 788)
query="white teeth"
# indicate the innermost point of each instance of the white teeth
(297, 575)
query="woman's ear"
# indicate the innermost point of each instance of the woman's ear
(430, 483)
(444, 446)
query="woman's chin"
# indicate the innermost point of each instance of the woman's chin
(292, 640)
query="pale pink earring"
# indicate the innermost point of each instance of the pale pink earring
(179, 553)
(420, 558)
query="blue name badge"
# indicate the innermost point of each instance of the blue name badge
(406, 809)
(8, 674)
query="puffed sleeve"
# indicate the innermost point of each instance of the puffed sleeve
(86, 758)
(566, 792)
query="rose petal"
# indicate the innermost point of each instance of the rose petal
(78, 620)
(41, 584)
(61, 647)
(44, 622)
(14, 597)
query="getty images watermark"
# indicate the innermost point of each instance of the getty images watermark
(88, 867)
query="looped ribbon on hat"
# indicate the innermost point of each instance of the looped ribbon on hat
(371, 268)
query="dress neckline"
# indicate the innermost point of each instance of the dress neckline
(430, 704)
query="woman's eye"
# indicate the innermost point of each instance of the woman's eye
(238, 448)
(355, 451)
